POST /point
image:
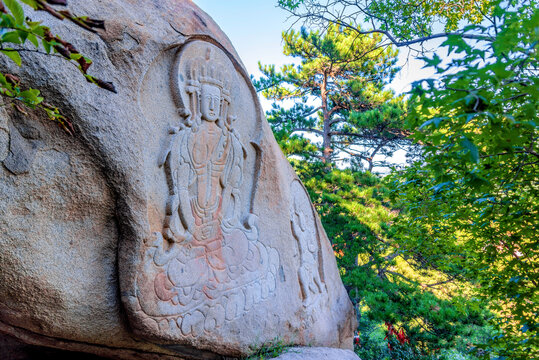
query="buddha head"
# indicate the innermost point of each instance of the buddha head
(208, 88)
(210, 102)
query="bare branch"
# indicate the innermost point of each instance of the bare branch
(308, 130)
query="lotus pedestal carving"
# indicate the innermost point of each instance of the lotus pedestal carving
(170, 226)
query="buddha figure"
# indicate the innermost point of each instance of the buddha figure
(207, 247)
(207, 264)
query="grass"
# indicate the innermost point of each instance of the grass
(269, 350)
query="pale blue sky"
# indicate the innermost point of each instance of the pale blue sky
(253, 26)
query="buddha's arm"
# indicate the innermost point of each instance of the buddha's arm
(231, 179)
(183, 179)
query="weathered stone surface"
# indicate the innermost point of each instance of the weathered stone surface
(317, 353)
(170, 225)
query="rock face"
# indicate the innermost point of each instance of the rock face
(170, 225)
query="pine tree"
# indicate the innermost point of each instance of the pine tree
(343, 76)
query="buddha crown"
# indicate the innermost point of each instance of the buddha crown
(203, 71)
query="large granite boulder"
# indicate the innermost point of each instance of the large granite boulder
(170, 225)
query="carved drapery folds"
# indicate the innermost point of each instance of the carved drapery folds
(208, 265)
(170, 217)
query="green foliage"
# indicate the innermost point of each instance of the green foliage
(471, 207)
(402, 22)
(343, 75)
(269, 350)
(468, 210)
(16, 35)
(431, 311)
(388, 284)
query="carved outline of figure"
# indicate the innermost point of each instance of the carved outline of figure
(208, 249)
(305, 231)
(209, 150)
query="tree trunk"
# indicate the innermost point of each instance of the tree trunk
(326, 137)
(370, 159)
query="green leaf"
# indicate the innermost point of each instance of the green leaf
(456, 44)
(33, 39)
(46, 46)
(13, 55)
(436, 121)
(75, 56)
(31, 95)
(31, 3)
(472, 149)
(3, 80)
(23, 35)
(16, 10)
(7, 21)
(435, 61)
(499, 69)
(11, 37)
(36, 27)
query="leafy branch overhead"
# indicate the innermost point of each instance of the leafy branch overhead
(19, 34)
(477, 188)
(443, 253)
(400, 22)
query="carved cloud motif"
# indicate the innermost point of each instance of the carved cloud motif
(207, 266)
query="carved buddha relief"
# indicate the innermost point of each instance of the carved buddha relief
(304, 229)
(207, 266)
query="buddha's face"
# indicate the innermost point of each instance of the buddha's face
(210, 102)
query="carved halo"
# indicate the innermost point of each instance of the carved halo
(189, 76)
